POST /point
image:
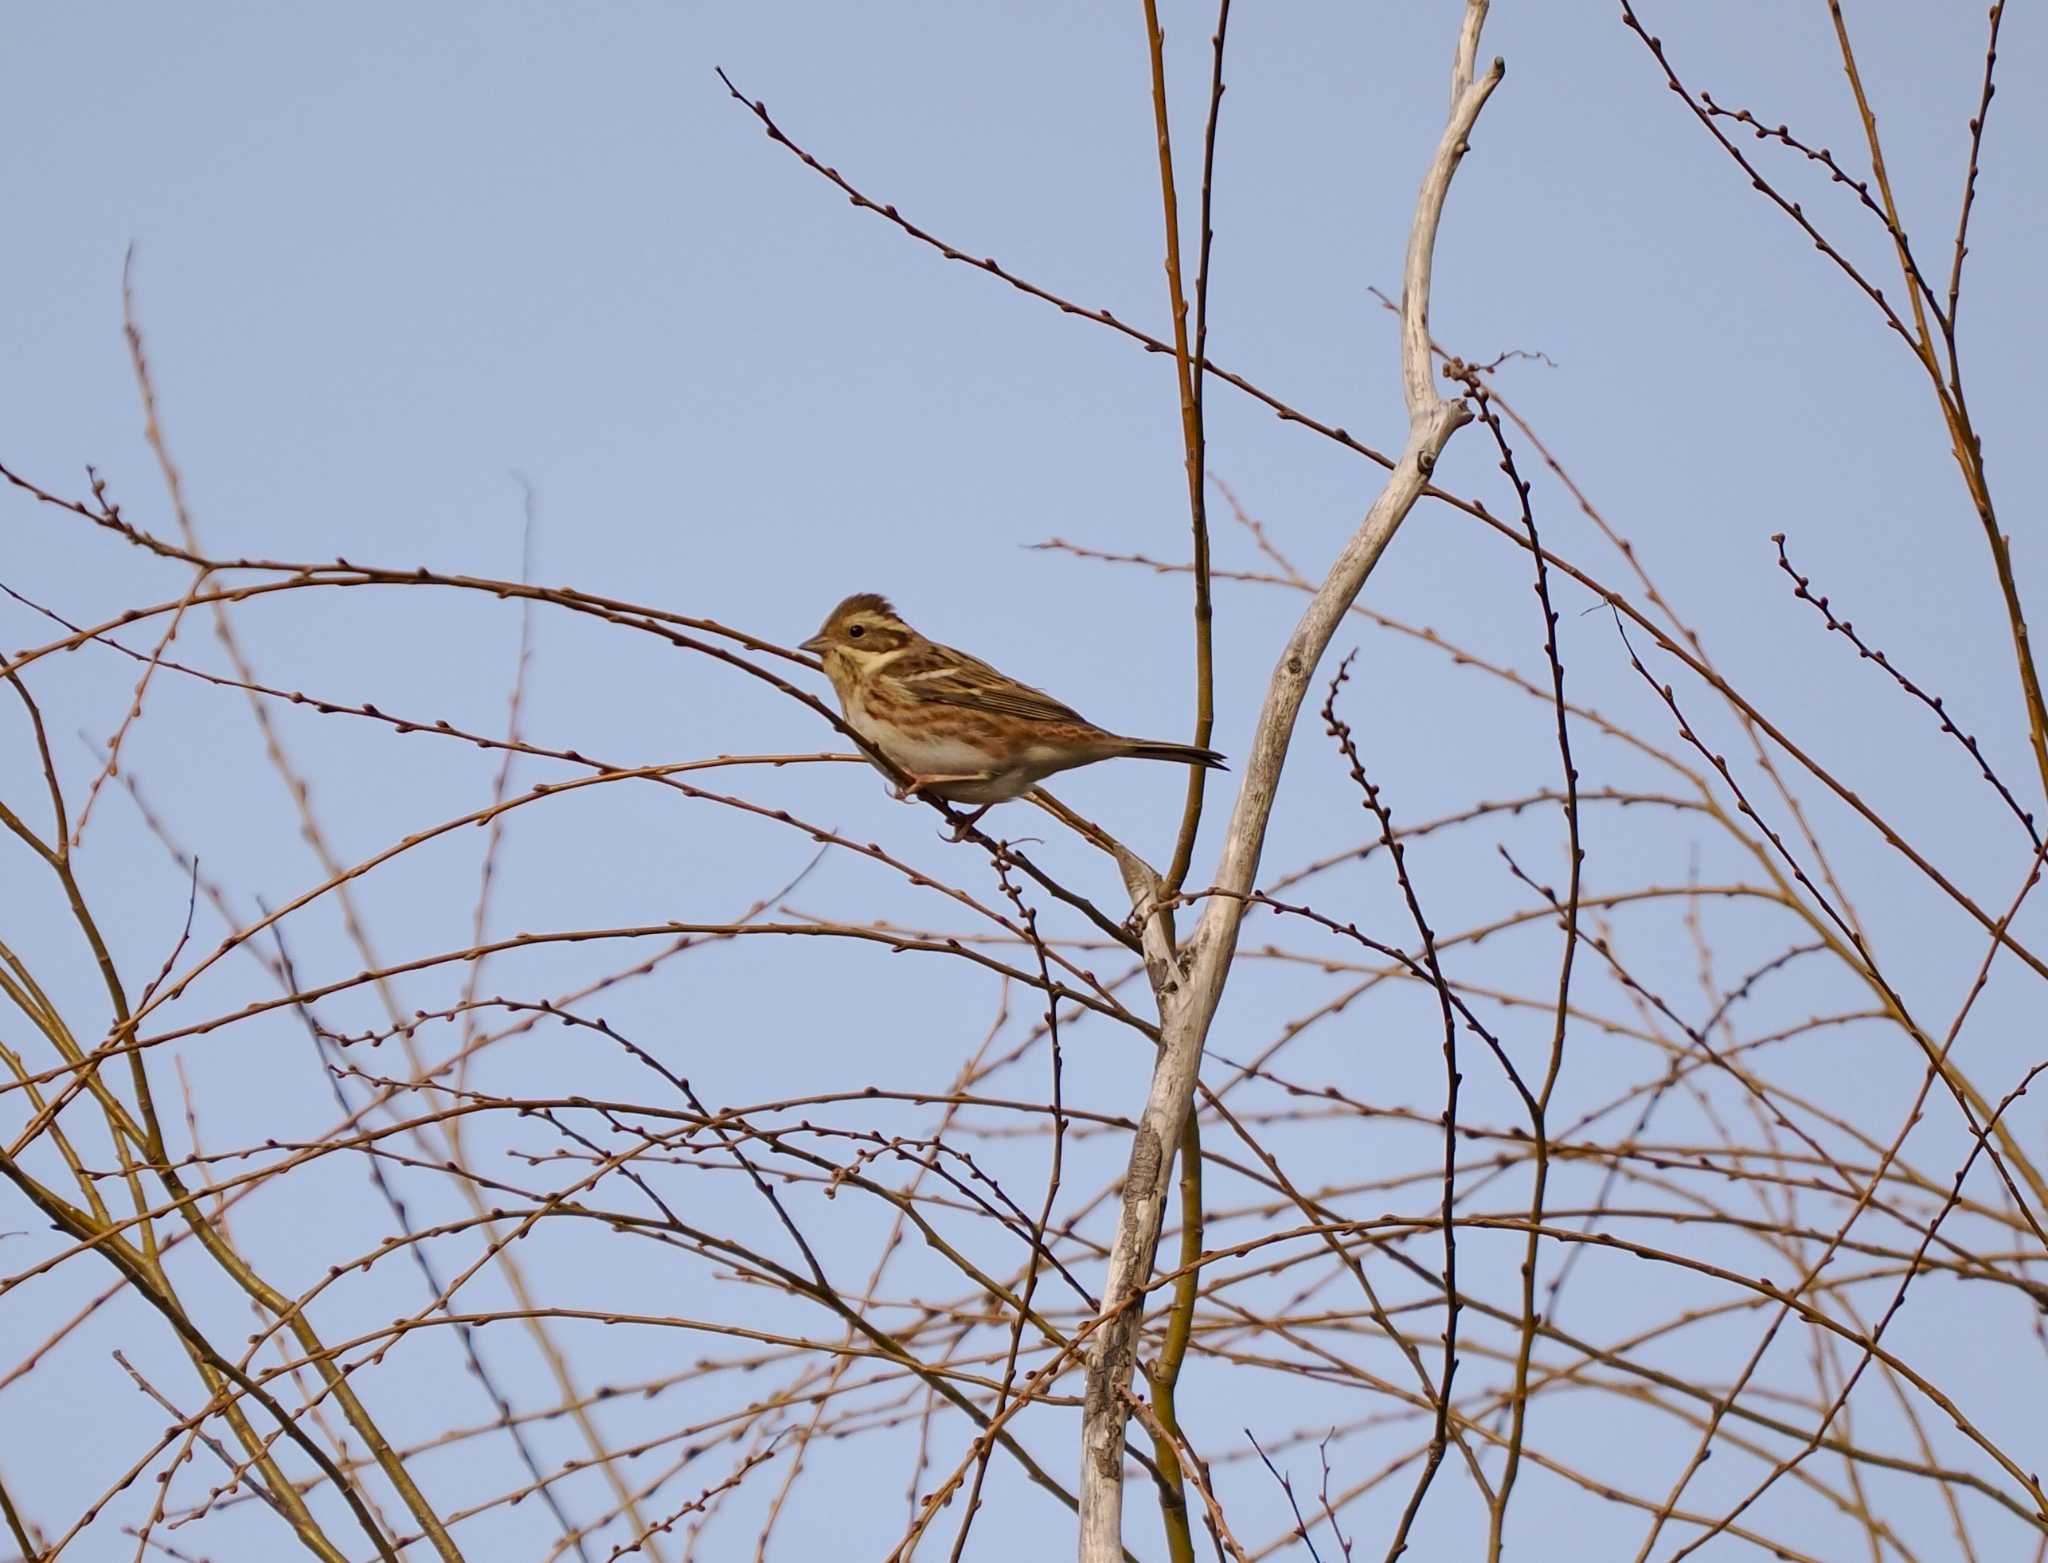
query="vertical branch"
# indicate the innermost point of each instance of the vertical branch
(1962, 247)
(1180, 1325)
(501, 788)
(1909, 269)
(1575, 859)
(1165, 1375)
(1190, 980)
(1190, 378)
(1440, 1434)
(1033, 1266)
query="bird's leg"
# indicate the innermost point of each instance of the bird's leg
(918, 784)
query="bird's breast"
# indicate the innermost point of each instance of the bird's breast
(921, 737)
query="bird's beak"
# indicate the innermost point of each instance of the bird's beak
(815, 644)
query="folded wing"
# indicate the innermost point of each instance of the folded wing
(943, 676)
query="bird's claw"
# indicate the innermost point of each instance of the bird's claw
(963, 828)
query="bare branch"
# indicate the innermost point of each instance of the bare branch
(1190, 987)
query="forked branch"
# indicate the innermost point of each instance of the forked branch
(1190, 984)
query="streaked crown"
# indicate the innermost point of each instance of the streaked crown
(864, 623)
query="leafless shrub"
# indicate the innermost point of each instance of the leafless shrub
(958, 1280)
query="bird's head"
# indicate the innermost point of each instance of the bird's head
(863, 627)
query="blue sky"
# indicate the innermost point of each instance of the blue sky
(387, 257)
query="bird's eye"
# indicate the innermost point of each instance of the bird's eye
(857, 631)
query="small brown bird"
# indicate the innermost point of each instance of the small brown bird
(954, 725)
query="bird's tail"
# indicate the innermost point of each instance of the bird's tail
(1182, 754)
